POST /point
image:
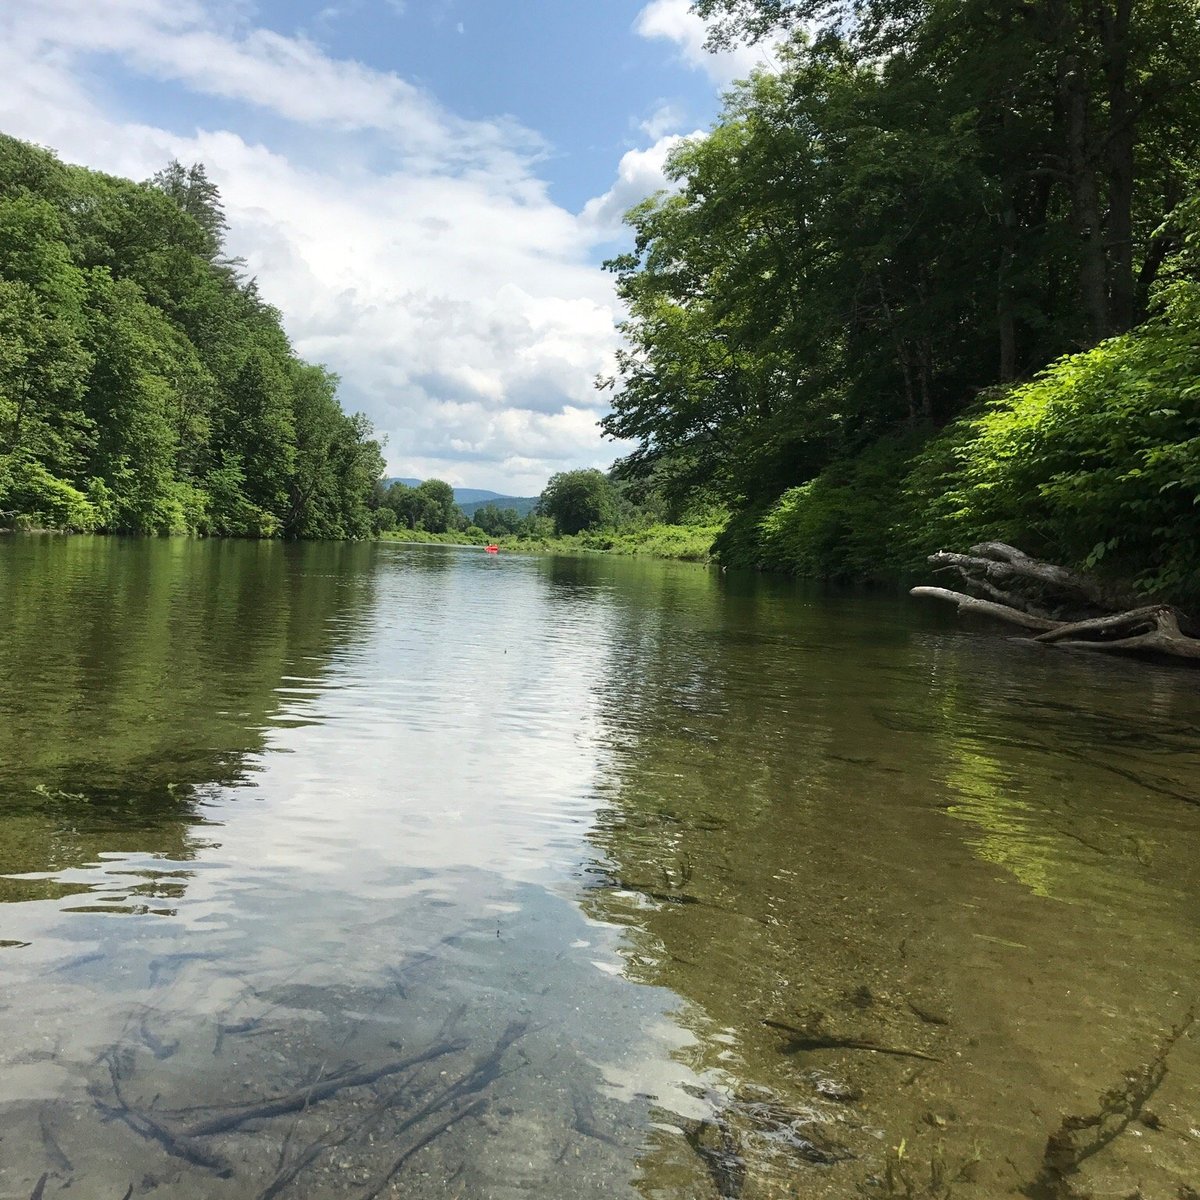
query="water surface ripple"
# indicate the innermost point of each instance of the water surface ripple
(365, 871)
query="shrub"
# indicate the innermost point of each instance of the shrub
(1095, 463)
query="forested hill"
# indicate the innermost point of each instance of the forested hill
(839, 319)
(145, 385)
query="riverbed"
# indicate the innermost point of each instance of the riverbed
(383, 870)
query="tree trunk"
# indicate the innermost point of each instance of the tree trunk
(1006, 324)
(1085, 197)
(1120, 162)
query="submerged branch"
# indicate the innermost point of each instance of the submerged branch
(988, 608)
(1076, 597)
(802, 1040)
(297, 1101)
(1079, 1138)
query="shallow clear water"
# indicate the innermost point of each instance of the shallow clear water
(357, 871)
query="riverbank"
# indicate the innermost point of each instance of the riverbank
(681, 543)
(1092, 464)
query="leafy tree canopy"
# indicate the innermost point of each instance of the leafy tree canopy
(578, 500)
(145, 385)
(923, 201)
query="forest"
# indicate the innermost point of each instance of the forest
(934, 278)
(145, 384)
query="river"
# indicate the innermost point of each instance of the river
(376, 870)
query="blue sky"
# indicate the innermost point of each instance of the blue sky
(426, 188)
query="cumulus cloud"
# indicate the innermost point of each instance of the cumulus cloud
(414, 251)
(665, 119)
(674, 21)
(640, 173)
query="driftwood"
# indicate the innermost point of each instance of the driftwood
(801, 1039)
(1079, 1137)
(396, 1096)
(988, 608)
(1061, 607)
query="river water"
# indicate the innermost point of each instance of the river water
(374, 870)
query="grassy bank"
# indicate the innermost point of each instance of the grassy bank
(686, 543)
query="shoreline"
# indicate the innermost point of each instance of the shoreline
(676, 543)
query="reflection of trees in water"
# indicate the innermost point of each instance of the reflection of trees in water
(137, 675)
(774, 839)
(1049, 775)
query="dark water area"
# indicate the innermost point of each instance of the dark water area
(376, 871)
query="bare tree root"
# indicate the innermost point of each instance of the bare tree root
(1065, 608)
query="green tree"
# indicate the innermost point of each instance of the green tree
(496, 521)
(43, 357)
(134, 408)
(331, 479)
(924, 200)
(144, 385)
(578, 500)
(436, 509)
(197, 196)
(1087, 103)
(402, 501)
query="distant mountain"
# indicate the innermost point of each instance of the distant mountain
(523, 504)
(477, 496)
(461, 495)
(469, 499)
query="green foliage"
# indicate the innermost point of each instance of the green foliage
(144, 386)
(687, 543)
(1096, 462)
(495, 521)
(401, 501)
(429, 507)
(578, 500)
(839, 525)
(39, 500)
(923, 203)
(436, 508)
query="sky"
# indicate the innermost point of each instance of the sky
(425, 188)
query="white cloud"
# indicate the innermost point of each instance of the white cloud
(674, 21)
(415, 252)
(640, 173)
(665, 119)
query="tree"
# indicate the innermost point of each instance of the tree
(132, 403)
(43, 358)
(578, 500)
(1085, 96)
(195, 194)
(495, 521)
(905, 213)
(144, 386)
(437, 510)
(402, 501)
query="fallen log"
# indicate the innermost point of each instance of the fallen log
(1063, 607)
(1165, 638)
(989, 608)
(1135, 620)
